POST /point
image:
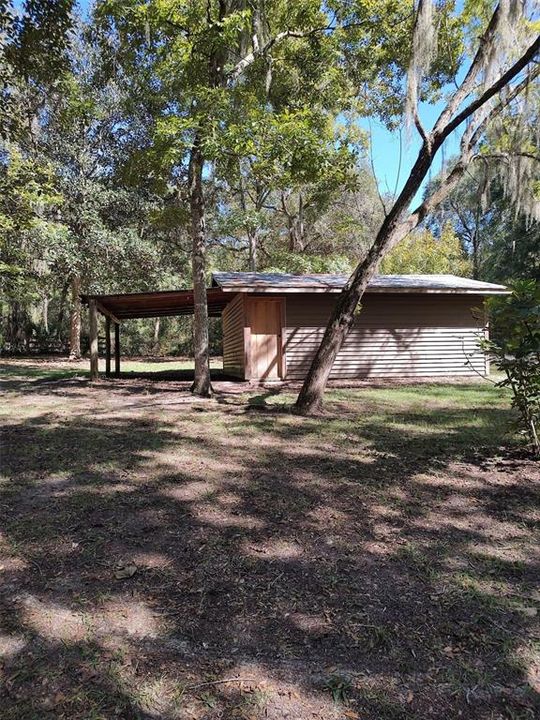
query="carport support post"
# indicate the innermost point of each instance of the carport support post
(93, 340)
(107, 346)
(117, 349)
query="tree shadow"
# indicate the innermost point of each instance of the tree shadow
(329, 564)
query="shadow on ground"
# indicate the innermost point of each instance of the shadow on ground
(221, 561)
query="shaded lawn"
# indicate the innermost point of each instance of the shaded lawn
(379, 561)
(51, 368)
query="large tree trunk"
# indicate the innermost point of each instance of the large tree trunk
(75, 319)
(311, 394)
(393, 229)
(201, 384)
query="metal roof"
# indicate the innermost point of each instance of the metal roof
(157, 304)
(180, 302)
(288, 283)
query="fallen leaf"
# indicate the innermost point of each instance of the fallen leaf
(125, 571)
(410, 696)
(528, 611)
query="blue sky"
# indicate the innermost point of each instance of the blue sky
(393, 153)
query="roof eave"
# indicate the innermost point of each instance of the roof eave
(441, 291)
(381, 290)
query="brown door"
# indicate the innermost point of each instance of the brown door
(265, 317)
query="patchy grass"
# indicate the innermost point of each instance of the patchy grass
(50, 368)
(167, 557)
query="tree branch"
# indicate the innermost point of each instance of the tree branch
(468, 82)
(507, 156)
(250, 58)
(468, 142)
(502, 82)
(418, 125)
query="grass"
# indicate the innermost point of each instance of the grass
(58, 369)
(377, 561)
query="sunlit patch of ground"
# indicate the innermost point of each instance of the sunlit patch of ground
(166, 557)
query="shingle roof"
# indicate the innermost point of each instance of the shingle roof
(287, 283)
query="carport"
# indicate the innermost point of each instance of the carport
(129, 306)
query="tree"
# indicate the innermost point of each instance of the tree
(501, 235)
(424, 253)
(34, 40)
(295, 227)
(501, 243)
(226, 81)
(33, 48)
(511, 252)
(515, 347)
(466, 209)
(67, 222)
(28, 197)
(500, 71)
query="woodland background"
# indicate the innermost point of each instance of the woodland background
(93, 187)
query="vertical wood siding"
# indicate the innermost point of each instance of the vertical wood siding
(233, 318)
(264, 315)
(393, 335)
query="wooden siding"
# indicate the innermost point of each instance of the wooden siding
(393, 335)
(264, 315)
(233, 317)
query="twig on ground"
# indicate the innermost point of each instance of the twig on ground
(218, 682)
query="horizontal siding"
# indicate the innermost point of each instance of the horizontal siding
(233, 337)
(391, 336)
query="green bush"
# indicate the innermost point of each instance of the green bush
(515, 348)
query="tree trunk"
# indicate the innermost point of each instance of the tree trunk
(252, 241)
(17, 327)
(45, 313)
(476, 253)
(201, 384)
(295, 224)
(300, 226)
(311, 395)
(392, 231)
(75, 319)
(94, 343)
(61, 311)
(157, 326)
(251, 233)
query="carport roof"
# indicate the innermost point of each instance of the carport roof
(156, 304)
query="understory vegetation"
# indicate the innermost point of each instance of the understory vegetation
(515, 348)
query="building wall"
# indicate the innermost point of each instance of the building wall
(393, 335)
(233, 318)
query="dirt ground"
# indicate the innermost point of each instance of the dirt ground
(167, 557)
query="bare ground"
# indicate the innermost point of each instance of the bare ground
(165, 557)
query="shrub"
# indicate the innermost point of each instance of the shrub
(515, 348)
